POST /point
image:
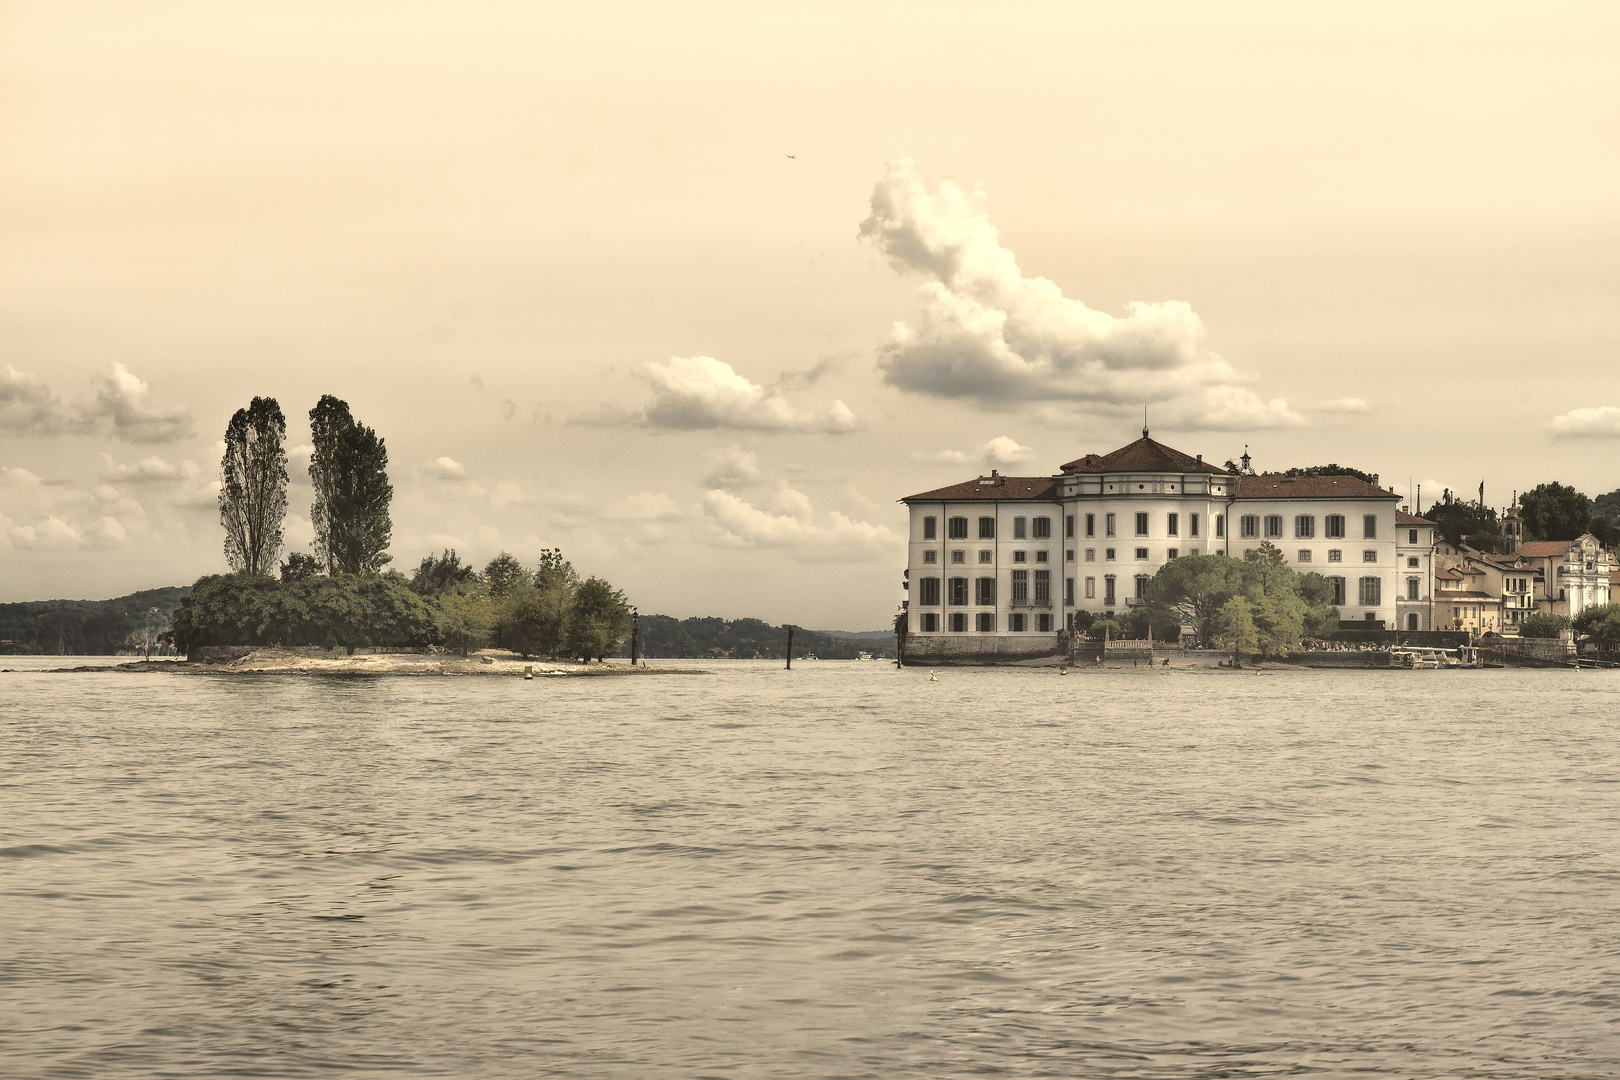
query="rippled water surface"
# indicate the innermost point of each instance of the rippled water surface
(843, 870)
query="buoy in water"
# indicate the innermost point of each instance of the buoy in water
(528, 671)
(1063, 671)
(932, 677)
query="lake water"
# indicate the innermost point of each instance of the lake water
(840, 871)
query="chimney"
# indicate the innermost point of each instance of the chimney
(1375, 479)
(1200, 459)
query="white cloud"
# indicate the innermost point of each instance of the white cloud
(691, 393)
(148, 470)
(645, 506)
(1341, 405)
(1000, 451)
(731, 468)
(791, 528)
(1602, 422)
(990, 334)
(41, 516)
(119, 406)
(447, 469)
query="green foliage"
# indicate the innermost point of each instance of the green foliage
(436, 576)
(298, 567)
(503, 574)
(253, 486)
(1543, 625)
(1470, 523)
(1279, 605)
(1331, 470)
(599, 621)
(349, 470)
(465, 617)
(1600, 622)
(1235, 627)
(742, 639)
(351, 610)
(1607, 507)
(1104, 629)
(1555, 511)
(85, 627)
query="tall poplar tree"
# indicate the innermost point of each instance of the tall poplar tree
(253, 487)
(349, 469)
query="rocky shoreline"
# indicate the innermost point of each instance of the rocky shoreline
(273, 661)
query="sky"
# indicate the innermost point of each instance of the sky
(696, 293)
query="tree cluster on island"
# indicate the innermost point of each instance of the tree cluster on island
(342, 595)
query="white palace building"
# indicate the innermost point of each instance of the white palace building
(998, 564)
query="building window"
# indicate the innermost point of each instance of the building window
(1020, 556)
(1091, 554)
(986, 556)
(958, 556)
(1220, 526)
(930, 622)
(1172, 525)
(1015, 623)
(1338, 590)
(958, 622)
(1371, 591)
(958, 591)
(958, 528)
(1369, 556)
(987, 528)
(1304, 554)
(1108, 524)
(1091, 524)
(1335, 555)
(984, 591)
(1412, 621)
(1020, 527)
(1192, 524)
(930, 528)
(1043, 623)
(1173, 553)
(1411, 536)
(1068, 526)
(1141, 586)
(930, 556)
(1068, 591)
(930, 592)
(1273, 526)
(1248, 526)
(1305, 527)
(1141, 524)
(1041, 528)
(1141, 553)
(1333, 526)
(1040, 556)
(986, 622)
(1412, 560)
(1369, 527)
(1020, 584)
(1043, 586)
(1412, 586)
(1091, 588)
(1108, 554)
(1108, 590)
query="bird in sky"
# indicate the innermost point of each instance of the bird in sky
(793, 155)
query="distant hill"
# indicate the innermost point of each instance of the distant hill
(85, 627)
(665, 637)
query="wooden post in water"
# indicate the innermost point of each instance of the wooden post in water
(790, 647)
(635, 638)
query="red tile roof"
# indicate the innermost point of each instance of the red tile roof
(1541, 549)
(988, 488)
(1143, 455)
(1272, 486)
(1403, 518)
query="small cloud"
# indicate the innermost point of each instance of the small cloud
(119, 406)
(791, 528)
(694, 393)
(446, 468)
(28, 406)
(148, 470)
(645, 506)
(509, 409)
(1341, 405)
(731, 468)
(999, 451)
(1601, 422)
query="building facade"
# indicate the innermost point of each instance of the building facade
(998, 564)
(1414, 555)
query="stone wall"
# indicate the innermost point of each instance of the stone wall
(946, 649)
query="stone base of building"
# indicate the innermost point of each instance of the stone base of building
(945, 649)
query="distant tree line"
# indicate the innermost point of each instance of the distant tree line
(742, 639)
(88, 627)
(1550, 511)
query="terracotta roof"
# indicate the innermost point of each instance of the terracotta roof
(987, 488)
(1143, 455)
(1403, 518)
(1465, 594)
(1446, 573)
(1541, 549)
(1272, 486)
(1614, 577)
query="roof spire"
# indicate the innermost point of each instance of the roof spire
(1144, 422)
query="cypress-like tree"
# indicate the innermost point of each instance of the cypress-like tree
(253, 487)
(349, 468)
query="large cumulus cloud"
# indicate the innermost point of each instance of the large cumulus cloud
(990, 334)
(694, 393)
(119, 405)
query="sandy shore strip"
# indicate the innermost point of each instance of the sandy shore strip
(273, 661)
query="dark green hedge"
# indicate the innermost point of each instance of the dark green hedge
(350, 610)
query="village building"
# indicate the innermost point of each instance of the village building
(1414, 553)
(1575, 573)
(998, 564)
(1462, 601)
